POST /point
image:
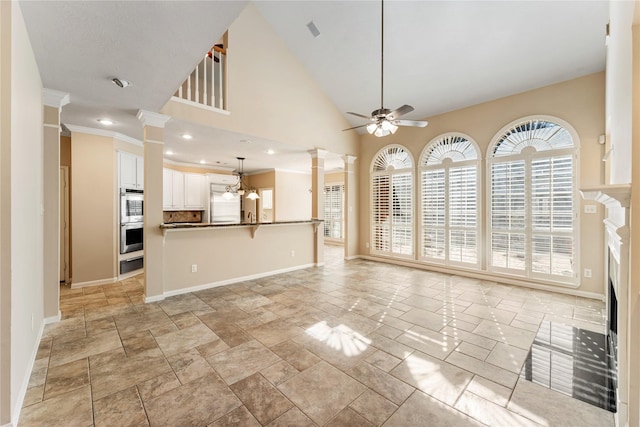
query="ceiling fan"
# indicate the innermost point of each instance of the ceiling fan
(384, 121)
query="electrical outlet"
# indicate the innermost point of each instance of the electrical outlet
(590, 209)
(366, 245)
(587, 273)
(293, 253)
(194, 268)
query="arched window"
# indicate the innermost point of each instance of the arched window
(392, 202)
(532, 230)
(449, 211)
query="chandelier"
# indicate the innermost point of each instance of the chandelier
(240, 187)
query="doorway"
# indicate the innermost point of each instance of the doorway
(64, 224)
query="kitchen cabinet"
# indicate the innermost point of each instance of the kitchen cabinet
(194, 185)
(172, 190)
(131, 171)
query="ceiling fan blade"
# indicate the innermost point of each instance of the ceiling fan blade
(400, 112)
(355, 127)
(410, 123)
(359, 115)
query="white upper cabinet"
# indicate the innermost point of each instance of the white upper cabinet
(194, 185)
(172, 190)
(131, 171)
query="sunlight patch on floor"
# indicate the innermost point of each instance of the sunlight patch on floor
(341, 338)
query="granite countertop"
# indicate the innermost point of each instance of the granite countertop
(191, 225)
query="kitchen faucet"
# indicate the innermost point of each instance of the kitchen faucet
(251, 216)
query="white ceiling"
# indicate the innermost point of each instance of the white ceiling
(439, 56)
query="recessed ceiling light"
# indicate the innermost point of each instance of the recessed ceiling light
(246, 141)
(105, 122)
(168, 153)
(120, 82)
(202, 162)
(270, 151)
(187, 136)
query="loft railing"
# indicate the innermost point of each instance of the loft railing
(207, 82)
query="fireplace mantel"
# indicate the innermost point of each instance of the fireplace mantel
(612, 196)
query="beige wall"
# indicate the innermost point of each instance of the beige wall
(335, 177)
(292, 198)
(271, 95)
(93, 206)
(5, 214)
(224, 254)
(21, 212)
(580, 102)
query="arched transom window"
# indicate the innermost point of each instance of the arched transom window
(449, 213)
(392, 202)
(532, 171)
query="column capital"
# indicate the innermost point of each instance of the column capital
(149, 118)
(55, 98)
(349, 159)
(318, 153)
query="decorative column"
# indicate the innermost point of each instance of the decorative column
(317, 201)
(153, 124)
(53, 102)
(350, 208)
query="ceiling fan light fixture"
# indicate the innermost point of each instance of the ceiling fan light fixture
(388, 126)
(371, 128)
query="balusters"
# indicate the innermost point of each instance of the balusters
(211, 91)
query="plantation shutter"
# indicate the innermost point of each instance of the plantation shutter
(333, 212)
(381, 226)
(449, 201)
(532, 225)
(552, 216)
(433, 214)
(508, 215)
(463, 214)
(402, 202)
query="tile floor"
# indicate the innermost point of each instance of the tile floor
(353, 343)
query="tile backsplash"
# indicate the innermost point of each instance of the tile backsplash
(170, 217)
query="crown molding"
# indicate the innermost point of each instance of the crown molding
(198, 165)
(55, 98)
(149, 118)
(107, 133)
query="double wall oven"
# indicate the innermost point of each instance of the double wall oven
(131, 220)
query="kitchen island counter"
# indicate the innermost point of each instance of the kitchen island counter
(191, 225)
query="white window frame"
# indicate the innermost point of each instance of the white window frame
(528, 156)
(446, 166)
(392, 172)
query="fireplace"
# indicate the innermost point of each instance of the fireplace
(617, 200)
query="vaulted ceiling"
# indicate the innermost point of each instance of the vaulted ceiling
(439, 55)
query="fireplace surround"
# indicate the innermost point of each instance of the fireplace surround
(617, 200)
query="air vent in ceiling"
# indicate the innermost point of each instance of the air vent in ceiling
(313, 29)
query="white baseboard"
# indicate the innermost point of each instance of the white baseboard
(234, 280)
(156, 298)
(483, 275)
(53, 319)
(15, 415)
(351, 258)
(8, 425)
(94, 283)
